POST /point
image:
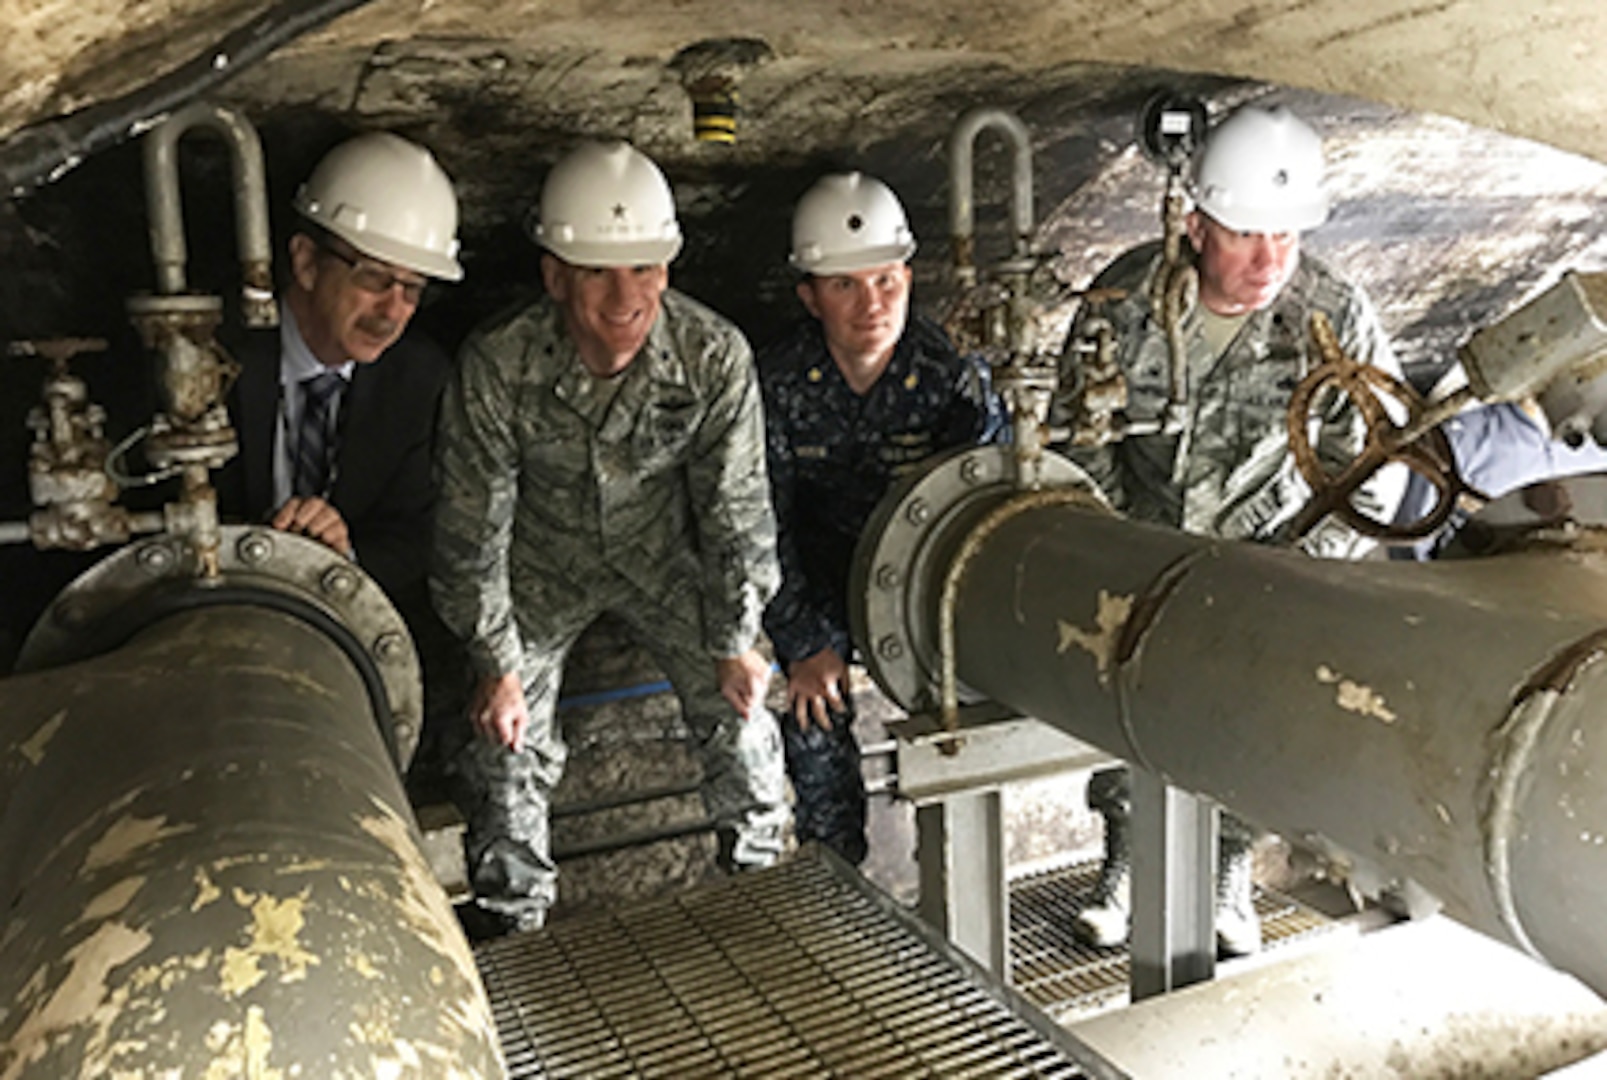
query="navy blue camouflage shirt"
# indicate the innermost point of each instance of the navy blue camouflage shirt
(832, 455)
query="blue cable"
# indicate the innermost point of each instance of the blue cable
(603, 697)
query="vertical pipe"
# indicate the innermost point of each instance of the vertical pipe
(962, 205)
(209, 868)
(166, 209)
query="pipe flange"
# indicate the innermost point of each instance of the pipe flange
(140, 583)
(896, 582)
(175, 306)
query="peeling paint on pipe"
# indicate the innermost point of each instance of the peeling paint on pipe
(209, 869)
(1442, 723)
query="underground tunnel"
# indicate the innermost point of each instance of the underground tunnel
(1464, 145)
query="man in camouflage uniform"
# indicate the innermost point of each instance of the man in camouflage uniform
(854, 396)
(1229, 473)
(602, 450)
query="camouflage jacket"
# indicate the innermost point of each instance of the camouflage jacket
(545, 481)
(832, 454)
(1239, 479)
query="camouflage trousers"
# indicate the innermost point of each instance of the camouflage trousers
(505, 795)
(826, 781)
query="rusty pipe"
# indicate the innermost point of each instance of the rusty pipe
(1435, 724)
(962, 205)
(209, 867)
(166, 210)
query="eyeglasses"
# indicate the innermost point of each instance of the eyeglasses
(372, 279)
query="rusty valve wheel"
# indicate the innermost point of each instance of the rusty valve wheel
(1425, 452)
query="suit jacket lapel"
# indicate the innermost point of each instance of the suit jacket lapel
(362, 413)
(258, 400)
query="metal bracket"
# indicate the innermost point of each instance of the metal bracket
(996, 747)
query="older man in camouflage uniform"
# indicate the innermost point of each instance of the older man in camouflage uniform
(602, 450)
(1229, 473)
(857, 394)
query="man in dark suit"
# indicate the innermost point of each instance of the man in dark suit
(335, 413)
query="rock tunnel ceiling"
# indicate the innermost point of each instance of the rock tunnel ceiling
(1522, 68)
(1448, 224)
(499, 89)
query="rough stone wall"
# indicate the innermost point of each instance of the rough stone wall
(1520, 68)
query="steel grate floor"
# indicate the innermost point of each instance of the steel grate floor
(799, 971)
(1068, 979)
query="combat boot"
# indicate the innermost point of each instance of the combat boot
(1104, 918)
(1238, 929)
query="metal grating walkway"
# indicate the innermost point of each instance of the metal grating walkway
(1068, 979)
(800, 971)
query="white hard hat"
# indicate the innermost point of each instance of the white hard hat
(389, 199)
(849, 222)
(607, 204)
(1261, 171)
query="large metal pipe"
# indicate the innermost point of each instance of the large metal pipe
(1441, 724)
(207, 861)
(209, 868)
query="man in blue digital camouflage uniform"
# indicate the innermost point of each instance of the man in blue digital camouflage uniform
(603, 450)
(1257, 183)
(857, 394)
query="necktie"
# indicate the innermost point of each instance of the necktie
(315, 440)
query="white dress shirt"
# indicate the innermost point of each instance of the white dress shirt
(296, 364)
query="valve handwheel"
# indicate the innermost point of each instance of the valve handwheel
(1428, 454)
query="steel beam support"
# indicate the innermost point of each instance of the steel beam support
(993, 748)
(964, 895)
(1173, 936)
